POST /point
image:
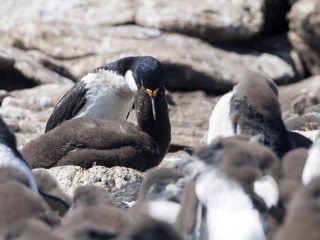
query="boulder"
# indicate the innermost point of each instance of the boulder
(213, 20)
(70, 177)
(10, 77)
(6, 61)
(189, 118)
(89, 12)
(26, 111)
(25, 71)
(294, 98)
(190, 63)
(280, 46)
(304, 33)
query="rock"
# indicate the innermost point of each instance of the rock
(304, 34)
(302, 102)
(40, 97)
(305, 92)
(189, 117)
(209, 20)
(3, 94)
(27, 111)
(11, 78)
(279, 45)
(51, 63)
(70, 177)
(91, 13)
(6, 62)
(190, 63)
(26, 71)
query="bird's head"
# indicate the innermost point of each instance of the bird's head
(149, 75)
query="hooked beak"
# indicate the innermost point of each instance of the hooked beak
(153, 95)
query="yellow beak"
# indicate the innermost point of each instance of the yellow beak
(153, 95)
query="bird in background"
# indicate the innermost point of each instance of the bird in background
(253, 108)
(108, 92)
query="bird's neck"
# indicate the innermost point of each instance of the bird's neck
(277, 138)
(159, 129)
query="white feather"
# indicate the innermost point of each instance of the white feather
(129, 204)
(220, 123)
(199, 231)
(110, 96)
(311, 135)
(164, 210)
(267, 188)
(230, 213)
(8, 158)
(312, 167)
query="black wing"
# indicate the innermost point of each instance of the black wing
(68, 106)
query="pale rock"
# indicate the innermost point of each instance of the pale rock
(190, 63)
(304, 32)
(71, 177)
(90, 12)
(212, 20)
(307, 89)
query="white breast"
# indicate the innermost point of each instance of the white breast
(267, 188)
(312, 166)
(110, 96)
(8, 158)
(164, 210)
(230, 213)
(220, 123)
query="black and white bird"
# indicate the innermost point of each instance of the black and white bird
(108, 91)
(88, 141)
(13, 167)
(302, 219)
(11, 157)
(257, 94)
(234, 180)
(252, 108)
(93, 210)
(160, 195)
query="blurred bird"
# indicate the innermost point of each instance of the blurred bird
(302, 219)
(292, 167)
(32, 229)
(93, 210)
(252, 108)
(235, 179)
(160, 195)
(18, 202)
(10, 156)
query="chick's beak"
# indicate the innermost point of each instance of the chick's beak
(153, 95)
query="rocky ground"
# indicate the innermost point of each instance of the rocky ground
(205, 46)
